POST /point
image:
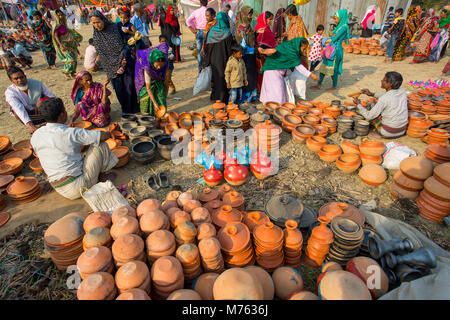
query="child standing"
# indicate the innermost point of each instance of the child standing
(236, 74)
(91, 60)
(315, 55)
(169, 82)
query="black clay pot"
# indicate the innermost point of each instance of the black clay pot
(127, 117)
(158, 137)
(349, 134)
(379, 248)
(423, 257)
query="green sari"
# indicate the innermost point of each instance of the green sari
(70, 39)
(157, 86)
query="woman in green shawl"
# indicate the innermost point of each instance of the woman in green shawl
(287, 55)
(66, 42)
(333, 67)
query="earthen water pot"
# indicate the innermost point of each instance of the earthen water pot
(224, 189)
(287, 280)
(264, 278)
(322, 233)
(343, 285)
(293, 237)
(373, 148)
(152, 221)
(330, 266)
(212, 176)
(225, 214)
(185, 196)
(364, 268)
(373, 174)
(97, 219)
(133, 294)
(348, 162)
(186, 229)
(125, 225)
(97, 286)
(329, 153)
(208, 195)
(147, 206)
(255, 218)
(315, 143)
(200, 215)
(417, 168)
(237, 284)
(204, 284)
(131, 275)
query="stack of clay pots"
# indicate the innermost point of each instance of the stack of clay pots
(267, 136)
(371, 151)
(236, 243)
(348, 162)
(126, 248)
(225, 214)
(348, 236)
(293, 243)
(24, 190)
(63, 240)
(123, 154)
(185, 232)
(211, 255)
(319, 242)
(434, 200)
(417, 128)
(344, 123)
(97, 286)
(189, 256)
(95, 259)
(302, 132)
(333, 210)
(125, 225)
(133, 275)
(159, 244)
(329, 153)
(255, 218)
(436, 136)
(206, 230)
(5, 144)
(409, 181)
(99, 236)
(438, 153)
(167, 276)
(268, 240)
(152, 221)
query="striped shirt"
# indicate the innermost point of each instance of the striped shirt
(390, 19)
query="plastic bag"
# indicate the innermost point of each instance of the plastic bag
(385, 38)
(394, 154)
(203, 81)
(298, 84)
(104, 196)
(289, 92)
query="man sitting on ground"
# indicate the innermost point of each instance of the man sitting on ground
(24, 96)
(58, 148)
(19, 54)
(390, 114)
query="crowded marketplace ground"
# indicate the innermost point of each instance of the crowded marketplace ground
(28, 273)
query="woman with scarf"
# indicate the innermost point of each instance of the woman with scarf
(151, 70)
(43, 30)
(171, 30)
(438, 51)
(333, 66)
(279, 26)
(422, 39)
(245, 36)
(217, 51)
(91, 100)
(266, 40)
(411, 25)
(116, 60)
(66, 42)
(287, 55)
(296, 26)
(368, 21)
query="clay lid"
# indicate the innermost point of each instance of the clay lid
(35, 165)
(442, 173)
(133, 294)
(234, 237)
(255, 218)
(233, 198)
(147, 206)
(159, 241)
(97, 219)
(127, 246)
(187, 228)
(209, 194)
(23, 154)
(97, 286)
(417, 168)
(166, 271)
(284, 207)
(24, 144)
(94, 259)
(22, 185)
(187, 253)
(437, 189)
(5, 179)
(4, 142)
(96, 236)
(64, 230)
(131, 275)
(373, 174)
(225, 189)
(205, 230)
(226, 214)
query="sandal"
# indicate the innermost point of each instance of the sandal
(163, 179)
(152, 182)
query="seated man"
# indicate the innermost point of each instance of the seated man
(24, 96)
(19, 54)
(59, 150)
(390, 114)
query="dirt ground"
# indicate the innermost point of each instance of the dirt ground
(301, 173)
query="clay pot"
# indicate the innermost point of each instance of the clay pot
(364, 268)
(173, 195)
(184, 294)
(152, 221)
(225, 214)
(417, 168)
(125, 225)
(200, 215)
(237, 284)
(133, 275)
(97, 237)
(122, 212)
(185, 232)
(236, 174)
(287, 280)
(366, 159)
(268, 234)
(168, 204)
(348, 162)
(234, 199)
(436, 189)
(133, 294)
(264, 278)
(303, 295)
(208, 195)
(160, 241)
(185, 196)
(343, 285)
(97, 219)
(292, 236)
(147, 206)
(329, 153)
(204, 285)
(373, 174)
(96, 259)
(319, 242)
(190, 205)
(127, 247)
(255, 218)
(373, 148)
(205, 230)
(311, 119)
(406, 183)
(315, 143)
(330, 266)
(165, 272)
(289, 122)
(349, 147)
(218, 105)
(212, 176)
(213, 206)
(179, 217)
(97, 286)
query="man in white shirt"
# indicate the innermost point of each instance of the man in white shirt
(18, 54)
(58, 148)
(390, 114)
(24, 96)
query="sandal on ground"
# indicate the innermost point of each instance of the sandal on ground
(163, 179)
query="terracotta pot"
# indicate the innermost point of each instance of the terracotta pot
(366, 159)
(329, 153)
(292, 236)
(234, 199)
(237, 284)
(179, 217)
(321, 130)
(125, 225)
(268, 234)
(160, 241)
(406, 183)
(265, 279)
(208, 195)
(417, 168)
(343, 285)
(97, 219)
(167, 271)
(437, 189)
(303, 295)
(226, 214)
(311, 119)
(204, 285)
(205, 230)
(184, 294)
(287, 280)
(348, 162)
(132, 275)
(93, 260)
(269, 107)
(152, 221)
(348, 147)
(173, 195)
(373, 148)
(213, 205)
(99, 236)
(147, 206)
(190, 205)
(333, 111)
(373, 174)
(255, 218)
(234, 237)
(169, 204)
(127, 247)
(289, 122)
(133, 294)
(200, 215)
(224, 189)
(185, 196)
(97, 286)
(218, 105)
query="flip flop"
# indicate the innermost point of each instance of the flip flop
(163, 179)
(152, 182)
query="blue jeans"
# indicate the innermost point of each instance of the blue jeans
(236, 95)
(391, 45)
(199, 39)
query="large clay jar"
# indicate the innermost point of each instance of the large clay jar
(364, 268)
(373, 174)
(152, 221)
(255, 218)
(348, 162)
(97, 219)
(264, 279)
(237, 284)
(212, 176)
(329, 153)
(206, 230)
(226, 214)
(343, 285)
(236, 174)
(417, 168)
(373, 148)
(97, 286)
(315, 143)
(200, 215)
(234, 199)
(204, 284)
(134, 274)
(122, 212)
(125, 225)
(287, 280)
(147, 206)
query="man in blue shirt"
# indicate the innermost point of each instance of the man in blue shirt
(18, 53)
(140, 25)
